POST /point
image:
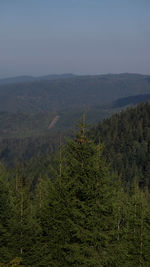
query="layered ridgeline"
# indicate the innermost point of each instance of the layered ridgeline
(71, 92)
(126, 138)
(33, 114)
(28, 108)
(25, 78)
(79, 215)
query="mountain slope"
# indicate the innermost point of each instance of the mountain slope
(75, 92)
(22, 79)
(126, 138)
(130, 100)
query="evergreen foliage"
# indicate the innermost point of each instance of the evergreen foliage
(79, 213)
(6, 217)
(127, 143)
(87, 195)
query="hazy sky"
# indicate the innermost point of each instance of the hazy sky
(80, 36)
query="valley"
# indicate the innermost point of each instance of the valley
(44, 109)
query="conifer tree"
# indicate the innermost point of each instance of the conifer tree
(119, 249)
(138, 227)
(50, 223)
(24, 221)
(6, 218)
(87, 196)
(49, 211)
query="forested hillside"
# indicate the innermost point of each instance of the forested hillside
(78, 215)
(34, 112)
(22, 125)
(83, 201)
(74, 92)
(126, 138)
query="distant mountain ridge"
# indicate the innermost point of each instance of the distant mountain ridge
(67, 92)
(26, 78)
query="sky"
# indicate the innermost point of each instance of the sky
(40, 37)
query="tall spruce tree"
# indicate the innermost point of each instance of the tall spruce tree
(86, 191)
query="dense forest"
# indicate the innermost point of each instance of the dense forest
(126, 136)
(75, 196)
(78, 212)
